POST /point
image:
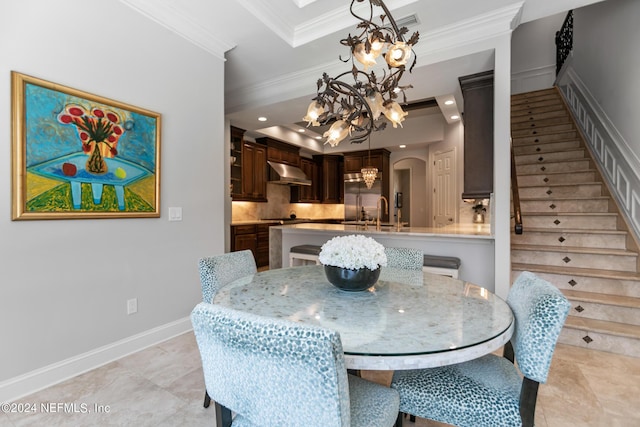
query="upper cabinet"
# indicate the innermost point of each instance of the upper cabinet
(248, 168)
(477, 91)
(355, 161)
(237, 135)
(332, 172)
(326, 174)
(254, 172)
(281, 152)
(304, 193)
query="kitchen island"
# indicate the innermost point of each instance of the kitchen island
(472, 243)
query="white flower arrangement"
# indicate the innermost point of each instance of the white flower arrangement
(353, 252)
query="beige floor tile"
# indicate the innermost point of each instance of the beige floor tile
(163, 386)
(164, 363)
(108, 396)
(4, 420)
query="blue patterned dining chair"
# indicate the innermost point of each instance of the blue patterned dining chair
(490, 391)
(217, 271)
(405, 258)
(275, 372)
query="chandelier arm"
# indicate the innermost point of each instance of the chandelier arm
(352, 105)
(376, 26)
(369, 126)
(391, 20)
(370, 20)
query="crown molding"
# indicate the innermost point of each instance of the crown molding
(469, 31)
(450, 39)
(171, 18)
(297, 34)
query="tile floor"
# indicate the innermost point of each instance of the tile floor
(163, 386)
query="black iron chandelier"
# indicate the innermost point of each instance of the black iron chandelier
(355, 108)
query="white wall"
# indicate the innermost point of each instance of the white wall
(533, 54)
(606, 57)
(601, 89)
(64, 283)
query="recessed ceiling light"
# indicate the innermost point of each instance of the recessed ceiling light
(448, 102)
(455, 117)
(403, 146)
(262, 119)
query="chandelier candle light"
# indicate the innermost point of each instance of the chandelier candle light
(356, 108)
(369, 172)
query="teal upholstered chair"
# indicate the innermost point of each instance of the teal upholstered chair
(490, 391)
(405, 258)
(274, 372)
(217, 271)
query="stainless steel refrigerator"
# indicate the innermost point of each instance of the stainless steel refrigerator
(359, 199)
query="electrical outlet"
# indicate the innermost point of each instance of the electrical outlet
(132, 306)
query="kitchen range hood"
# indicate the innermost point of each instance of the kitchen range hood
(281, 173)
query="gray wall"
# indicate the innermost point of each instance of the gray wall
(533, 54)
(600, 84)
(607, 59)
(64, 283)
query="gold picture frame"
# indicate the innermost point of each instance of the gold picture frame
(79, 155)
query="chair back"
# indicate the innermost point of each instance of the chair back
(540, 310)
(217, 271)
(405, 258)
(272, 372)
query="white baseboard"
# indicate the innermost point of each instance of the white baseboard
(36, 380)
(533, 79)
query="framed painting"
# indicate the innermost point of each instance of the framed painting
(78, 155)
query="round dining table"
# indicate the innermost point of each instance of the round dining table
(407, 320)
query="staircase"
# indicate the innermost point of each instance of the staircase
(573, 236)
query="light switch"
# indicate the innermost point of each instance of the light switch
(175, 214)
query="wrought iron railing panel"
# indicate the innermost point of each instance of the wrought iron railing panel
(564, 41)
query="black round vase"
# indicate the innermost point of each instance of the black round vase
(351, 280)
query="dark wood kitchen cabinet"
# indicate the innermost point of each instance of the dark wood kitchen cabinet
(254, 172)
(327, 184)
(477, 91)
(355, 161)
(304, 193)
(281, 152)
(237, 136)
(248, 168)
(332, 178)
(262, 245)
(254, 237)
(244, 237)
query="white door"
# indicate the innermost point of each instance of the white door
(444, 188)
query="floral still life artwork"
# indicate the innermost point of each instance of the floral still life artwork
(78, 155)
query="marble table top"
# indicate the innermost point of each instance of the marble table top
(407, 320)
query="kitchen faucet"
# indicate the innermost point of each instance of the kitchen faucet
(386, 210)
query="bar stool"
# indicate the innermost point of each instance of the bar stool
(304, 252)
(443, 265)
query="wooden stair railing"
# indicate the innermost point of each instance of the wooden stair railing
(515, 195)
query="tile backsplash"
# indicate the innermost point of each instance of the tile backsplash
(278, 206)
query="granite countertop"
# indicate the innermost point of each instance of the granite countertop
(285, 221)
(481, 231)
